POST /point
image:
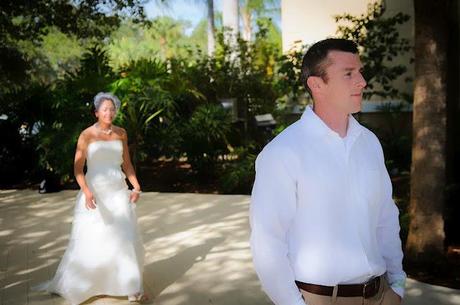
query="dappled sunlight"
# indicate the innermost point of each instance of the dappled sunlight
(5, 232)
(206, 238)
(29, 221)
(425, 294)
(197, 249)
(196, 246)
(415, 292)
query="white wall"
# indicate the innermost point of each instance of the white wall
(308, 21)
(312, 20)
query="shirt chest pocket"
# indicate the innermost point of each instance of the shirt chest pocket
(370, 186)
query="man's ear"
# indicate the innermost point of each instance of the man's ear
(314, 83)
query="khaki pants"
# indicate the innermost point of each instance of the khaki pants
(385, 296)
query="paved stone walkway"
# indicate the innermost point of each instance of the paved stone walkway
(197, 250)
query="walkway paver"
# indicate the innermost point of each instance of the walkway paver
(197, 250)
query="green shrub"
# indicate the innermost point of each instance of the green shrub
(205, 138)
(67, 112)
(141, 88)
(238, 175)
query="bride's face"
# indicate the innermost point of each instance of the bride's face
(106, 112)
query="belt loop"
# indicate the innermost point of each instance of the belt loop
(334, 294)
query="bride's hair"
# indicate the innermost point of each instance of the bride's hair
(102, 96)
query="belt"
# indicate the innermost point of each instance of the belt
(366, 290)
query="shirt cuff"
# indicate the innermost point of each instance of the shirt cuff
(398, 288)
(300, 302)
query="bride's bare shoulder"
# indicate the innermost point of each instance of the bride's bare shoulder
(87, 134)
(119, 131)
(88, 130)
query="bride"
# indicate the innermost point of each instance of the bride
(105, 255)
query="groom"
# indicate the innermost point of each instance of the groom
(324, 227)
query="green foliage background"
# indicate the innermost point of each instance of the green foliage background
(171, 91)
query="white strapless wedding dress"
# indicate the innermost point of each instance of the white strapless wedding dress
(105, 255)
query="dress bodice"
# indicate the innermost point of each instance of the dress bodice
(104, 159)
(104, 154)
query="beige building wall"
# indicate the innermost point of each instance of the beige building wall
(406, 30)
(307, 21)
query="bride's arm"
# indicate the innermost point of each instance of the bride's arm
(129, 169)
(79, 163)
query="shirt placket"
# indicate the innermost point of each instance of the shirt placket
(340, 151)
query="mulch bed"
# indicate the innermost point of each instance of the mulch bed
(174, 176)
(444, 272)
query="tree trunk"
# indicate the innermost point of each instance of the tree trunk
(428, 172)
(452, 210)
(211, 28)
(230, 20)
(247, 23)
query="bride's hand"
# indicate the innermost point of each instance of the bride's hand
(134, 196)
(90, 202)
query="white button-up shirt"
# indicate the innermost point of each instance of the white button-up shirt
(322, 211)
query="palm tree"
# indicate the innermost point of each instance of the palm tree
(211, 28)
(211, 23)
(168, 32)
(230, 20)
(249, 8)
(428, 173)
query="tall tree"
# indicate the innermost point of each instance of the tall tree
(428, 173)
(211, 28)
(255, 8)
(24, 20)
(164, 38)
(169, 33)
(230, 20)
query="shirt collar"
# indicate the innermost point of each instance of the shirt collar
(317, 126)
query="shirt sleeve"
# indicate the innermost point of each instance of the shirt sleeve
(273, 206)
(388, 235)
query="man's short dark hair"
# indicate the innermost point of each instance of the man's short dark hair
(314, 61)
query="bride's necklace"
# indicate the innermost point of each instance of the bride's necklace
(107, 131)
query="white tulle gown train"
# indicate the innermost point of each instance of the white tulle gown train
(105, 255)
